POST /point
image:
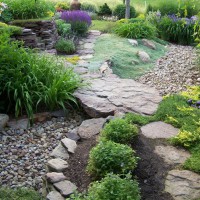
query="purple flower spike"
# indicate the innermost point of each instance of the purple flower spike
(76, 16)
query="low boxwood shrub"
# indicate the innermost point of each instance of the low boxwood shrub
(104, 10)
(88, 7)
(29, 9)
(65, 46)
(120, 131)
(120, 11)
(80, 21)
(136, 30)
(112, 187)
(30, 81)
(111, 157)
(63, 28)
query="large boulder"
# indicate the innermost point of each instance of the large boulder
(3, 120)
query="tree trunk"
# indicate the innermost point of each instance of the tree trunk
(124, 1)
(127, 16)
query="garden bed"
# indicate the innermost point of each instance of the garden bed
(150, 173)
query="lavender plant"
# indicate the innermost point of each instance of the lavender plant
(80, 21)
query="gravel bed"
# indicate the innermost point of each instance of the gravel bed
(24, 153)
(174, 71)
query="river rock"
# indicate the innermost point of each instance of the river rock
(183, 185)
(60, 152)
(149, 44)
(54, 177)
(91, 127)
(133, 42)
(159, 130)
(69, 144)
(54, 195)
(107, 95)
(144, 57)
(65, 188)
(172, 155)
(3, 120)
(57, 165)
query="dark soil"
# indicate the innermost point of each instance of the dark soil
(76, 172)
(151, 170)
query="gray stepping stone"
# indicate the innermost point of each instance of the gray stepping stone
(183, 185)
(109, 95)
(60, 152)
(88, 45)
(54, 177)
(19, 124)
(57, 165)
(73, 135)
(69, 144)
(172, 155)
(90, 127)
(66, 188)
(54, 195)
(159, 130)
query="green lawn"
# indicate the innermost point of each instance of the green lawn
(103, 26)
(122, 54)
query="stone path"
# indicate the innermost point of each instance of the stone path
(181, 184)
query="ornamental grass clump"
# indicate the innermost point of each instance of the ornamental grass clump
(175, 29)
(120, 131)
(80, 21)
(29, 81)
(111, 157)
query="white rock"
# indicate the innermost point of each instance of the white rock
(69, 144)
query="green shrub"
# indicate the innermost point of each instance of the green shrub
(29, 9)
(79, 28)
(60, 6)
(30, 81)
(20, 194)
(6, 16)
(11, 30)
(65, 46)
(133, 20)
(120, 11)
(133, 118)
(136, 30)
(88, 7)
(105, 10)
(111, 157)
(113, 187)
(120, 131)
(63, 28)
(193, 163)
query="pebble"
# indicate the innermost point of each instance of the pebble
(23, 157)
(174, 71)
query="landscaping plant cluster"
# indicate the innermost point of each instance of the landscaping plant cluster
(177, 111)
(111, 163)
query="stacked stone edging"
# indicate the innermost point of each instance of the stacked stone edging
(40, 34)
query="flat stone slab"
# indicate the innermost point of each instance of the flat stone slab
(89, 45)
(183, 185)
(19, 124)
(57, 165)
(54, 195)
(65, 188)
(159, 130)
(54, 177)
(172, 155)
(69, 144)
(90, 127)
(105, 96)
(60, 152)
